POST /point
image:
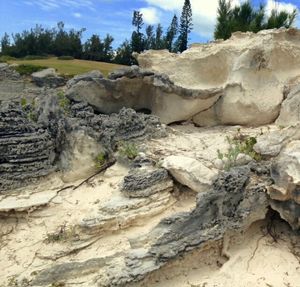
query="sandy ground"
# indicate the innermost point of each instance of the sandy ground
(255, 259)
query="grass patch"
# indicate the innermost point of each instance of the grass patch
(128, 150)
(28, 69)
(70, 67)
(35, 57)
(100, 160)
(65, 58)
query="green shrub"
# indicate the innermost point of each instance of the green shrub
(239, 144)
(35, 57)
(100, 160)
(65, 58)
(5, 58)
(63, 102)
(128, 150)
(27, 69)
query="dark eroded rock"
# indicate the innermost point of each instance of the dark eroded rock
(26, 149)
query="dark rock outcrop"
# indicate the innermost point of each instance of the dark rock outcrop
(26, 149)
(48, 78)
(142, 183)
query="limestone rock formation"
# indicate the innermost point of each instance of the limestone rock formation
(290, 111)
(236, 200)
(47, 77)
(26, 150)
(285, 191)
(141, 90)
(190, 172)
(251, 71)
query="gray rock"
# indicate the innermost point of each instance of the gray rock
(142, 183)
(48, 78)
(26, 149)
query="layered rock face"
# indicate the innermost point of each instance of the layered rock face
(252, 72)
(141, 90)
(26, 150)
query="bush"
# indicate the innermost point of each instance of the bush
(65, 58)
(35, 57)
(239, 144)
(5, 58)
(27, 69)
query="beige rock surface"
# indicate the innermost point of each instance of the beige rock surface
(190, 172)
(250, 69)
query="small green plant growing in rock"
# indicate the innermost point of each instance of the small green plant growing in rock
(23, 103)
(100, 160)
(63, 102)
(29, 109)
(238, 144)
(63, 234)
(128, 150)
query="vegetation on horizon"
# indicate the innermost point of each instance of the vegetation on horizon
(69, 67)
(39, 42)
(247, 18)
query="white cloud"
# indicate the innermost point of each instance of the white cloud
(150, 15)
(271, 4)
(77, 15)
(204, 12)
(48, 5)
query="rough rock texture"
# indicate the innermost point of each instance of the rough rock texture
(46, 135)
(143, 183)
(290, 109)
(141, 90)
(110, 129)
(190, 172)
(236, 200)
(26, 150)
(47, 77)
(285, 190)
(250, 70)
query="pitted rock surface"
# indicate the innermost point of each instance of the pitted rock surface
(26, 149)
(142, 183)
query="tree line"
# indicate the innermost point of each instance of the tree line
(246, 17)
(58, 41)
(40, 41)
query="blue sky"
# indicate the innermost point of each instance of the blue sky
(113, 16)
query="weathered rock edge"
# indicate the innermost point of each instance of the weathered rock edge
(237, 199)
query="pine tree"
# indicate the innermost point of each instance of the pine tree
(159, 41)
(246, 18)
(171, 34)
(5, 44)
(223, 26)
(186, 26)
(123, 55)
(137, 38)
(150, 39)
